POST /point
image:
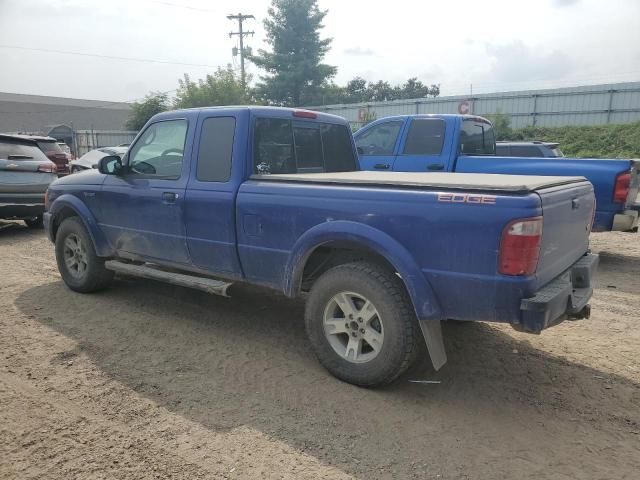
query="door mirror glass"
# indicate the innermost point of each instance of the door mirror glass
(110, 165)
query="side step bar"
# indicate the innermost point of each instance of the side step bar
(208, 285)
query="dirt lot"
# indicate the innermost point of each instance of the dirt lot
(150, 381)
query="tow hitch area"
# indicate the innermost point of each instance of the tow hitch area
(585, 313)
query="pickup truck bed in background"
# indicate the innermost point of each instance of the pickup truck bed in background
(271, 196)
(466, 144)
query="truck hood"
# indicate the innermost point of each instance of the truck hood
(440, 180)
(85, 177)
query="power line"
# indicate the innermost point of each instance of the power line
(241, 34)
(187, 7)
(113, 57)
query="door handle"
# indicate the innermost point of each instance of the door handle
(435, 166)
(382, 166)
(169, 197)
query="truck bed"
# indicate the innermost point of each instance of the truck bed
(436, 180)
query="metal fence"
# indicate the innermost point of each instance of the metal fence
(586, 105)
(86, 140)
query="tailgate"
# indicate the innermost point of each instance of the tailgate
(22, 176)
(567, 214)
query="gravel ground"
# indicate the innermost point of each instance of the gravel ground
(146, 380)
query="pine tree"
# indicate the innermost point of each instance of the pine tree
(294, 69)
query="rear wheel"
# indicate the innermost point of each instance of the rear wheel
(361, 324)
(81, 269)
(35, 222)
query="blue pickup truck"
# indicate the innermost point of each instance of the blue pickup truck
(272, 196)
(466, 144)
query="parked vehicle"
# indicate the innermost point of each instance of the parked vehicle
(25, 174)
(91, 158)
(52, 150)
(269, 196)
(465, 144)
(528, 149)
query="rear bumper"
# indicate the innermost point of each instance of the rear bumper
(626, 221)
(21, 206)
(565, 297)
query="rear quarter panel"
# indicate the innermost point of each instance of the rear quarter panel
(454, 246)
(600, 172)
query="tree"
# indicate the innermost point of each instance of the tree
(501, 125)
(141, 112)
(222, 88)
(294, 69)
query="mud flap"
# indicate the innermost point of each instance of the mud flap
(432, 332)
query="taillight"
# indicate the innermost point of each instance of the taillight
(47, 167)
(520, 246)
(621, 189)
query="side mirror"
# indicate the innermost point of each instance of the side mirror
(110, 165)
(360, 150)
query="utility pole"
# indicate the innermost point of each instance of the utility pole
(241, 18)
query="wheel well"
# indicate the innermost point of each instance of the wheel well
(333, 254)
(60, 217)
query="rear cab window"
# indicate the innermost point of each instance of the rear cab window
(477, 137)
(293, 146)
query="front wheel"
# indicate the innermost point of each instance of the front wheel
(361, 324)
(81, 269)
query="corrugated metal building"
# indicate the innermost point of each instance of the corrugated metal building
(36, 113)
(585, 105)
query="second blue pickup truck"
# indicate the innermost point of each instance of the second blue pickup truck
(270, 196)
(466, 144)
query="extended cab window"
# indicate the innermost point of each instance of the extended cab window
(159, 151)
(426, 137)
(216, 149)
(379, 139)
(283, 146)
(477, 137)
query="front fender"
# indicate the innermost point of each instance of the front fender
(74, 203)
(422, 295)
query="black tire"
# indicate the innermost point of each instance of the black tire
(388, 295)
(35, 223)
(93, 276)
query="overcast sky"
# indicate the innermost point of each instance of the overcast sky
(496, 45)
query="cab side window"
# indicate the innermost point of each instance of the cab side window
(379, 139)
(426, 137)
(216, 149)
(159, 151)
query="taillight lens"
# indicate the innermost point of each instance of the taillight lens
(520, 246)
(621, 189)
(47, 167)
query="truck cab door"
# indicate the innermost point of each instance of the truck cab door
(377, 144)
(425, 146)
(141, 211)
(210, 210)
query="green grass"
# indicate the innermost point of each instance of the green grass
(602, 141)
